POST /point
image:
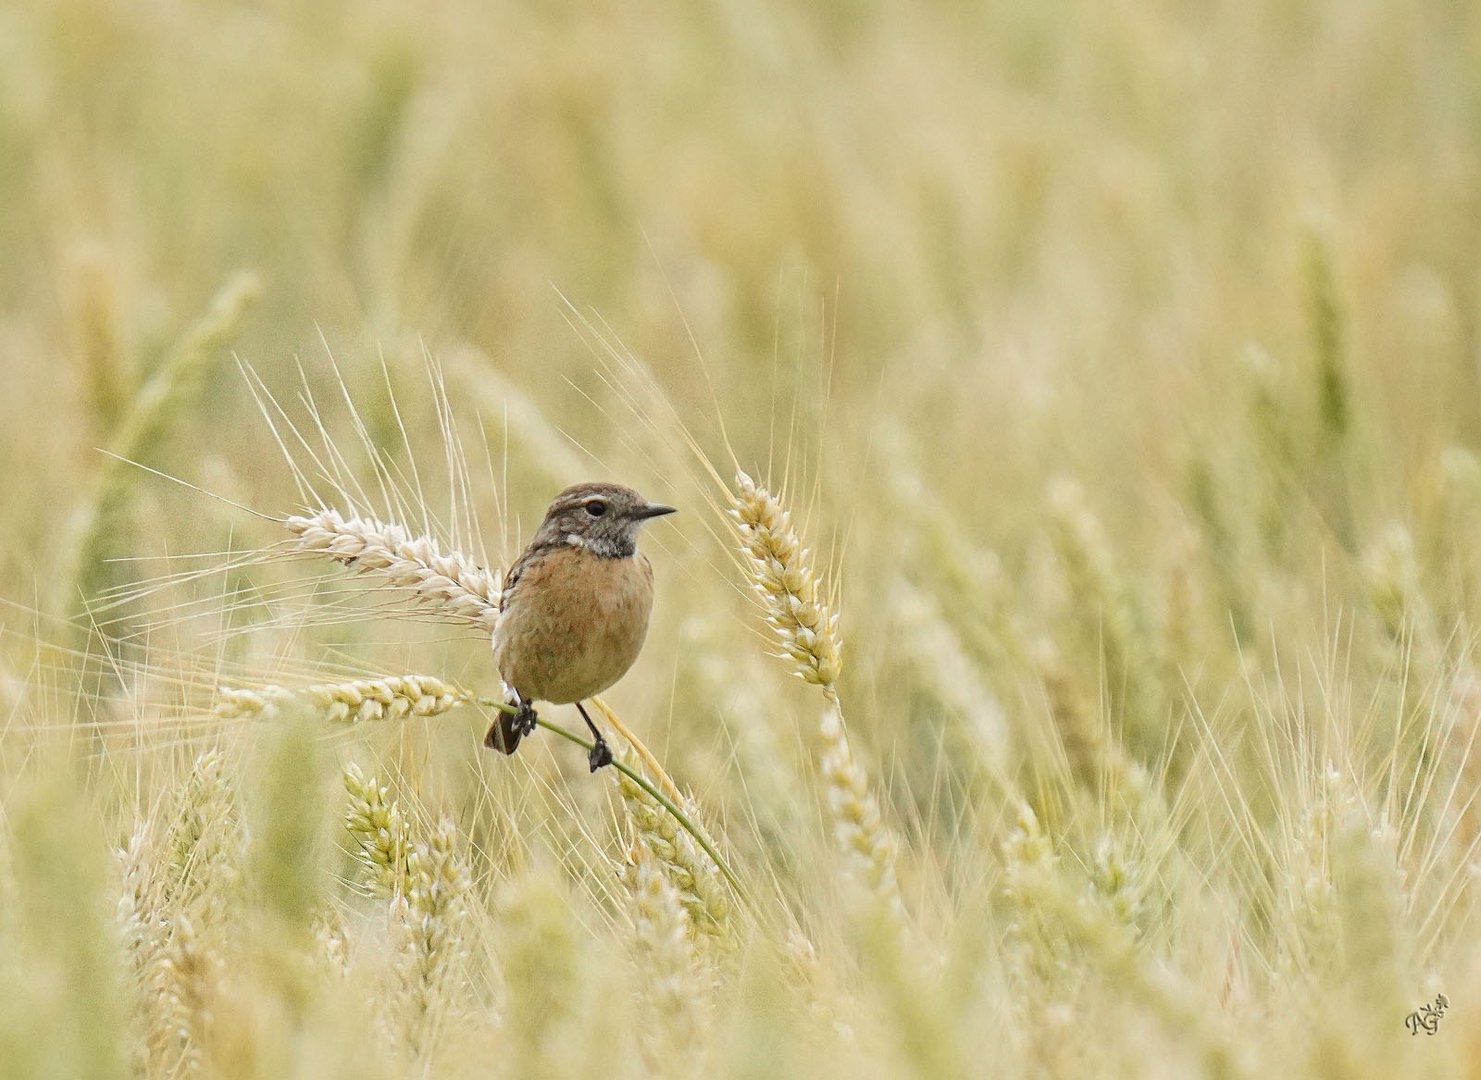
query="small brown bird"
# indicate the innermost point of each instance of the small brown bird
(574, 609)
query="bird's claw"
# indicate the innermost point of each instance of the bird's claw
(524, 720)
(600, 755)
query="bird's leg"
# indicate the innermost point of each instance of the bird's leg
(525, 718)
(600, 754)
(508, 728)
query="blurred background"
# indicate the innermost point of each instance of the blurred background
(1041, 236)
(1214, 261)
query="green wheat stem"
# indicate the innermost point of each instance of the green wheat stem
(643, 782)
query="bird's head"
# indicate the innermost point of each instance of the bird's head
(605, 518)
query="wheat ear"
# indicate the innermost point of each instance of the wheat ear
(447, 580)
(390, 697)
(138, 432)
(807, 632)
(431, 916)
(382, 843)
(667, 962)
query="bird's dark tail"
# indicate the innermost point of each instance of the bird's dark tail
(504, 734)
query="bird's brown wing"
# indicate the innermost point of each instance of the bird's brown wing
(503, 735)
(512, 575)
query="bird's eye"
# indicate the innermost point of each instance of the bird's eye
(596, 508)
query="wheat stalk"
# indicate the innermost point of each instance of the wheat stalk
(693, 873)
(807, 631)
(684, 820)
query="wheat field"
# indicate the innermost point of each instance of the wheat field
(1065, 657)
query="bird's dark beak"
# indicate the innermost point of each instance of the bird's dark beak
(652, 510)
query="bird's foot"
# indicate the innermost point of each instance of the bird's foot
(600, 754)
(524, 720)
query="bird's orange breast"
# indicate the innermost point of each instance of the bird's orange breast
(573, 624)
